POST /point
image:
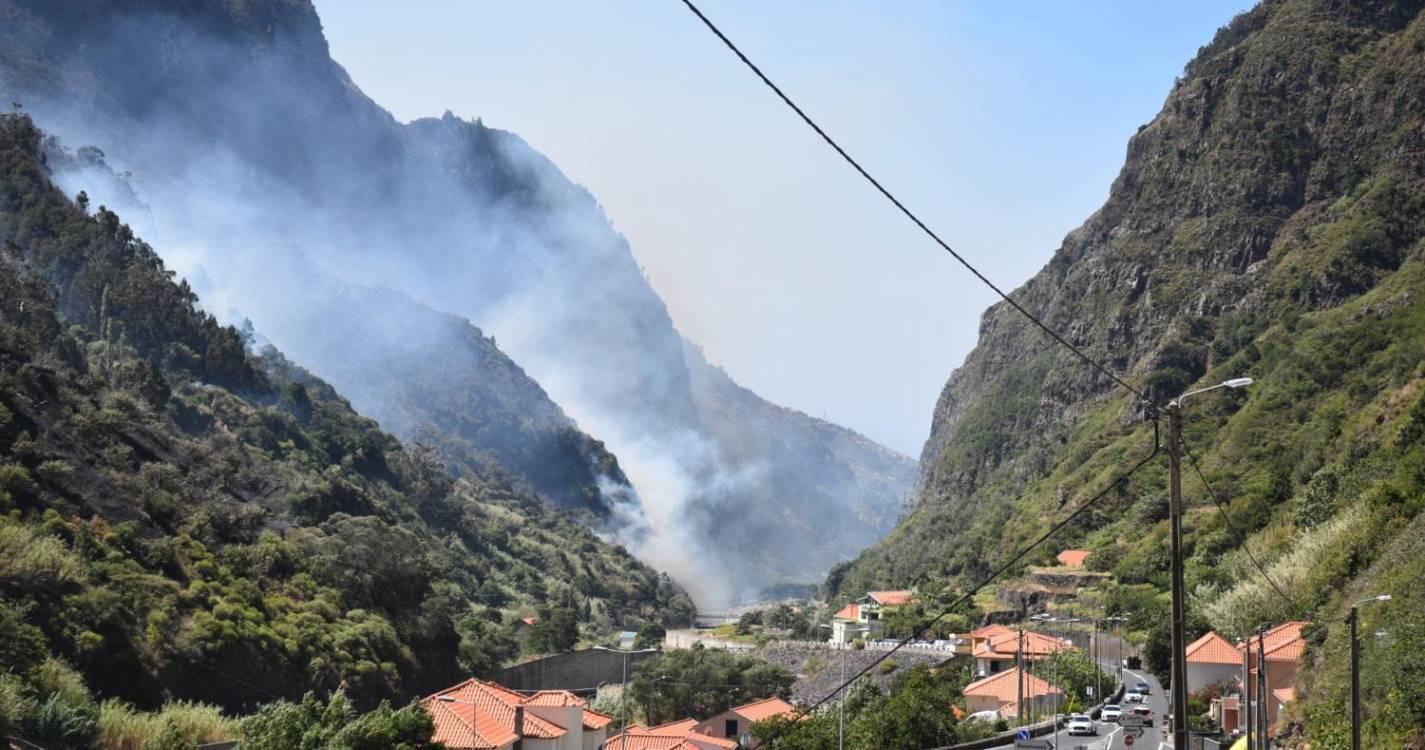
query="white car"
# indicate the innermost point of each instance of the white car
(1134, 697)
(1111, 713)
(1081, 724)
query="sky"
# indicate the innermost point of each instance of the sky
(1001, 124)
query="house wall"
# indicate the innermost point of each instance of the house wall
(594, 739)
(571, 718)
(534, 744)
(1200, 675)
(717, 726)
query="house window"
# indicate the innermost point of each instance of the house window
(729, 729)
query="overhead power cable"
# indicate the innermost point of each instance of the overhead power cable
(1241, 538)
(973, 590)
(908, 213)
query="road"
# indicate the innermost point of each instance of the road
(1111, 736)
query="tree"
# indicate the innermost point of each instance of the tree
(650, 636)
(485, 646)
(916, 714)
(556, 631)
(699, 683)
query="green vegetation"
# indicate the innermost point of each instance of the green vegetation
(914, 714)
(314, 724)
(1301, 267)
(184, 519)
(698, 682)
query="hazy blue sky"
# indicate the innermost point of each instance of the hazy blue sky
(1002, 124)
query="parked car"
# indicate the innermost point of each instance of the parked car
(1143, 688)
(1146, 713)
(1111, 712)
(1081, 724)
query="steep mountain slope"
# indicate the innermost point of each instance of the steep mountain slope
(1266, 223)
(797, 462)
(249, 143)
(185, 519)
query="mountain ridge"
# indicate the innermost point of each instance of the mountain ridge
(1268, 223)
(248, 141)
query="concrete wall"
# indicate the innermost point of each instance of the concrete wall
(579, 671)
(1200, 676)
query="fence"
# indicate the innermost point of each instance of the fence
(920, 646)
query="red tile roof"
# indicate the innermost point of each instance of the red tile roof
(764, 709)
(677, 735)
(492, 709)
(1073, 558)
(594, 720)
(990, 631)
(1285, 695)
(1004, 686)
(1213, 649)
(674, 728)
(1002, 647)
(848, 612)
(553, 698)
(453, 727)
(891, 598)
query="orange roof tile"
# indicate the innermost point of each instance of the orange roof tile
(890, 598)
(1212, 648)
(677, 735)
(673, 728)
(595, 720)
(765, 709)
(709, 742)
(1285, 695)
(1004, 686)
(453, 727)
(1036, 646)
(1283, 633)
(495, 705)
(1073, 558)
(553, 698)
(1287, 651)
(990, 631)
(848, 612)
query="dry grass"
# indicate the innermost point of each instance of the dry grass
(123, 727)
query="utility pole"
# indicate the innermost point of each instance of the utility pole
(623, 692)
(1019, 676)
(1354, 620)
(1179, 624)
(1263, 708)
(1355, 680)
(1244, 718)
(1175, 512)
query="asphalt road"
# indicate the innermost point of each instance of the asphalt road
(1111, 735)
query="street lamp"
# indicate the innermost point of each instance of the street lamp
(474, 735)
(1354, 620)
(841, 709)
(623, 691)
(1175, 512)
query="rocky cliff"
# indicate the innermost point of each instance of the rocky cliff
(1267, 223)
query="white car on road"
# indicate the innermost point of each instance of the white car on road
(1111, 713)
(1134, 697)
(1082, 724)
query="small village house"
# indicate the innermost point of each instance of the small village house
(478, 715)
(1000, 692)
(676, 735)
(1073, 558)
(1001, 651)
(736, 722)
(868, 614)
